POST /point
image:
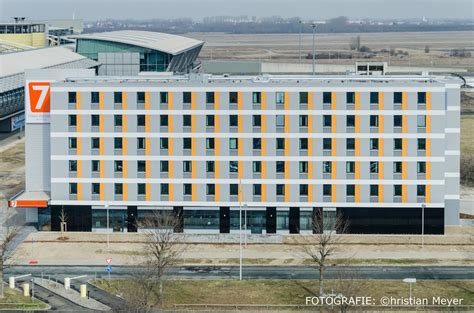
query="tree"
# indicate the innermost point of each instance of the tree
(63, 224)
(9, 230)
(324, 242)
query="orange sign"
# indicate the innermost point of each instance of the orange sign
(28, 203)
(39, 97)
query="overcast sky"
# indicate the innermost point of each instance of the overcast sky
(308, 9)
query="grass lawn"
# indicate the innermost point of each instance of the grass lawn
(15, 300)
(284, 292)
(467, 134)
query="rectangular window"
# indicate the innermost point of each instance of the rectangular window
(279, 97)
(397, 98)
(72, 120)
(327, 190)
(140, 120)
(303, 190)
(163, 143)
(303, 167)
(374, 98)
(256, 97)
(280, 121)
(164, 166)
(421, 121)
(117, 97)
(397, 167)
(95, 143)
(257, 120)
(421, 143)
(210, 143)
(257, 166)
(73, 188)
(397, 190)
(280, 166)
(350, 121)
(397, 121)
(118, 143)
(118, 120)
(233, 96)
(303, 143)
(327, 97)
(95, 121)
(210, 120)
(350, 190)
(327, 143)
(303, 120)
(210, 189)
(210, 166)
(350, 144)
(71, 97)
(95, 188)
(187, 189)
(163, 97)
(421, 97)
(233, 166)
(303, 97)
(233, 121)
(257, 143)
(164, 189)
(327, 120)
(374, 143)
(95, 97)
(374, 121)
(210, 97)
(233, 143)
(141, 143)
(140, 97)
(72, 166)
(350, 167)
(374, 167)
(350, 97)
(257, 189)
(118, 166)
(141, 189)
(141, 166)
(327, 167)
(280, 190)
(186, 120)
(164, 120)
(95, 165)
(280, 144)
(374, 190)
(233, 189)
(187, 166)
(421, 167)
(420, 190)
(397, 144)
(186, 97)
(187, 143)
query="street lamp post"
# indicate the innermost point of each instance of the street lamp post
(240, 229)
(423, 206)
(107, 207)
(314, 51)
(299, 50)
(245, 223)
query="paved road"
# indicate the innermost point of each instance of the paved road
(260, 272)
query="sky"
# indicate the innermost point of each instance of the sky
(197, 9)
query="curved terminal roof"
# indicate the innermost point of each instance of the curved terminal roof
(171, 44)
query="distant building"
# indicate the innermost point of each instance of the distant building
(26, 33)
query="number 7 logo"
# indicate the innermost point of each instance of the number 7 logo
(39, 97)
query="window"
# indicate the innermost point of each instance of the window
(280, 143)
(420, 190)
(397, 121)
(210, 189)
(73, 188)
(421, 121)
(280, 190)
(117, 97)
(187, 166)
(280, 121)
(95, 143)
(397, 98)
(257, 143)
(256, 97)
(141, 143)
(397, 167)
(72, 166)
(95, 165)
(327, 143)
(141, 189)
(71, 97)
(209, 97)
(303, 120)
(257, 120)
(374, 98)
(327, 120)
(94, 97)
(327, 98)
(72, 120)
(233, 96)
(118, 166)
(141, 166)
(374, 143)
(397, 190)
(118, 120)
(421, 167)
(140, 97)
(163, 97)
(140, 120)
(233, 121)
(210, 166)
(303, 167)
(233, 143)
(187, 97)
(118, 143)
(95, 187)
(374, 167)
(187, 189)
(327, 190)
(350, 121)
(210, 120)
(374, 121)
(257, 189)
(350, 190)
(350, 97)
(303, 189)
(421, 143)
(421, 97)
(397, 144)
(163, 143)
(327, 167)
(164, 166)
(374, 190)
(186, 120)
(303, 143)
(350, 144)
(165, 189)
(350, 167)
(187, 142)
(303, 97)
(233, 166)
(164, 120)
(280, 166)
(233, 189)
(210, 143)
(95, 120)
(280, 97)
(257, 166)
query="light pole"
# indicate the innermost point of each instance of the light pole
(299, 50)
(107, 207)
(423, 206)
(314, 51)
(245, 224)
(240, 229)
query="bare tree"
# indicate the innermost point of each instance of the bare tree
(63, 224)
(324, 242)
(8, 232)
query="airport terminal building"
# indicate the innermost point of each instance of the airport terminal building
(382, 151)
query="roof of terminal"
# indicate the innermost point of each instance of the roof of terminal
(171, 44)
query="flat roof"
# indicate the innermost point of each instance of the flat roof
(171, 44)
